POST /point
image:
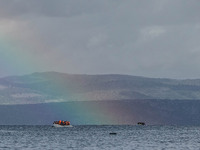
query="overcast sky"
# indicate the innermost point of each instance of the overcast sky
(152, 38)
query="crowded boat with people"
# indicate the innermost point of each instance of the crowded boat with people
(61, 123)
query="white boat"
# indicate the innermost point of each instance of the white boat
(59, 125)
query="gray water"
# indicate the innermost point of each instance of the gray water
(98, 137)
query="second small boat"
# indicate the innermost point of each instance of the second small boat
(141, 123)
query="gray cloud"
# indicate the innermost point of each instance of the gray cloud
(155, 38)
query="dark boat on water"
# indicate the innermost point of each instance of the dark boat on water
(141, 123)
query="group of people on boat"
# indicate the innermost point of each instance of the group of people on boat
(61, 122)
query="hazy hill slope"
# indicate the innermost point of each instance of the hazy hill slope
(60, 87)
(152, 112)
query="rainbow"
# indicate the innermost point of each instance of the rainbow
(16, 58)
(92, 113)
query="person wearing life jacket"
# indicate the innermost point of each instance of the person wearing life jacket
(59, 122)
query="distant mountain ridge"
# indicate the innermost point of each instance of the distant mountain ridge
(49, 87)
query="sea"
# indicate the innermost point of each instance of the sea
(100, 137)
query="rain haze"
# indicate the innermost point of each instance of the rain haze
(152, 38)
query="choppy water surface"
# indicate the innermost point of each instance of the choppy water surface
(98, 137)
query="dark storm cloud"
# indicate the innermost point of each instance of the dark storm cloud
(157, 38)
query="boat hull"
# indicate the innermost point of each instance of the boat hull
(61, 126)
